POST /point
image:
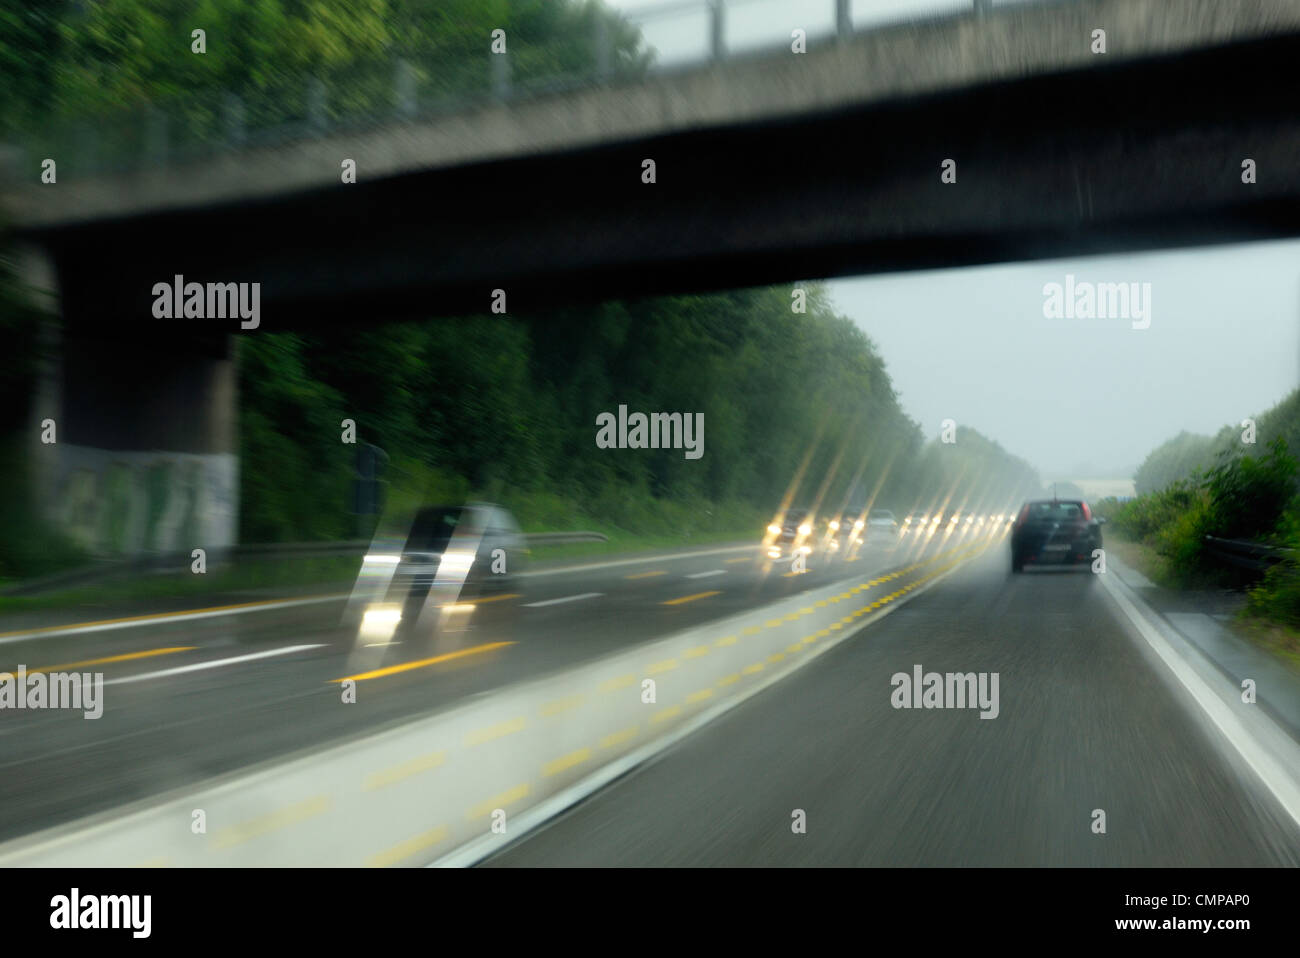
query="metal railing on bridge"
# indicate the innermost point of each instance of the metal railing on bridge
(290, 108)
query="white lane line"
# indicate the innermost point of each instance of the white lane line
(567, 598)
(165, 618)
(216, 663)
(705, 575)
(1273, 761)
(531, 573)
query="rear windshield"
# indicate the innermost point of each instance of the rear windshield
(435, 526)
(1056, 510)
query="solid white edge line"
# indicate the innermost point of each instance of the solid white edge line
(214, 664)
(705, 575)
(1271, 773)
(529, 820)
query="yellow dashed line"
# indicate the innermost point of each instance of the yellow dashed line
(498, 801)
(646, 575)
(125, 657)
(622, 682)
(559, 706)
(493, 732)
(423, 663)
(750, 630)
(481, 601)
(404, 850)
(699, 696)
(273, 821)
(731, 679)
(667, 665)
(725, 640)
(740, 559)
(665, 714)
(697, 652)
(403, 770)
(618, 738)
(751, 669)
(153, 616)
(692, 598)
(558, 765)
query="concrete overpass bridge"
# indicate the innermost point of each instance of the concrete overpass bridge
(769, 167)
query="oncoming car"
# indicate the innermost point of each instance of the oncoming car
(1054, 531)
(450, 555)
(789, 534)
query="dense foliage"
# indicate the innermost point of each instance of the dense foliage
(794, 404)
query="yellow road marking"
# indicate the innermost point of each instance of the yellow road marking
(692, 598)
(403, 850)
(559, 706)
(491, 598)
(403, 770)
(423, 663)
(265, 824)
(726, 640)
(125, 657)
(697, 652)
(498, 801)
(699, 696)
(667, 665)
(555, 766)
(622, 682)
(493, 732)
(152, 616)
(665, 714)
(618, 738)
(646, 575)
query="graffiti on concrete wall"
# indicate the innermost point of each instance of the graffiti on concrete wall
(129, 503)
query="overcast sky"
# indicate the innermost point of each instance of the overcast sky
(1078, 398)
(1089, 398)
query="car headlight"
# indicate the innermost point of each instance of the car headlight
(774, 529)
(834, 526)
(456, 560)
(859, 524)
(805, 529)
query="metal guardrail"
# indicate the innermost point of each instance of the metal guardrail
(110, 569)
(1247, 555)
(307, 107)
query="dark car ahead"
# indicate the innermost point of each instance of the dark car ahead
(1054, 531)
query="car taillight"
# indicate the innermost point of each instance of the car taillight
(1024, 514)
(1087, 513)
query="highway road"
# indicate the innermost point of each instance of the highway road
(1086, 719)
(188, 697)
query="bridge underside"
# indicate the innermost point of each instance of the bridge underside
(1136, 156)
